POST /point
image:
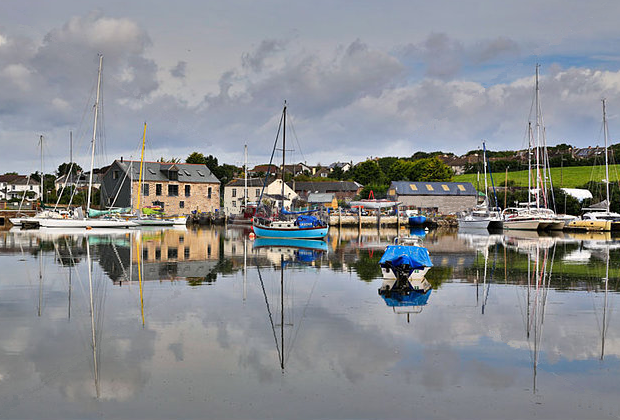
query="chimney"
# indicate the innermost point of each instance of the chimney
(121, 159)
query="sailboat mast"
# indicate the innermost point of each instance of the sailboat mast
(529, 164)
(42, 174)
(92, 155)
(606, 161)
(245, 172)
(283, 149)
(141, 166)
(484, 164)
(538, 186)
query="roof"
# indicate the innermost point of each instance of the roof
(320, 198)
(327, 186)
(432, 188)
(252, 182)
(157, 171)
(18, 180)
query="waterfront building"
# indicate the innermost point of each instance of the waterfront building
(15, 186)
(434, 197)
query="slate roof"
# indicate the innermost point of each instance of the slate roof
(433, 188)
(320, 198)
(328, 186)
(18, 180)
(157, 171)
(252, 182)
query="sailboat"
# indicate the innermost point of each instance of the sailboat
(599, 217)
(482, 217)
(287, 224)
(537, 215)
(78, 220)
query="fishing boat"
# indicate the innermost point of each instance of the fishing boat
(287, 224)
(406, 259)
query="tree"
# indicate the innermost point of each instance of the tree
(431, 169)
(63, 169)
(368, 172)
(196, 158)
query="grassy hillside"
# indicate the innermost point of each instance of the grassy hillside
(571, 177)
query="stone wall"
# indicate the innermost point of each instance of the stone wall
(445, 204)
(198, 198)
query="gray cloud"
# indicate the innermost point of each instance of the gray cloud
(179, 70)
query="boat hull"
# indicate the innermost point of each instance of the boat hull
(300, 233)
(521, 224)
(417, 274)
(473, 224)
(417, 220)
(591, 225)
(86, 223)
(312, 244)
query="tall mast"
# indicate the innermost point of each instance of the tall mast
(529, 164)
(245, 172)
(606, 162)
(538, 186)
(283, 149)
(92, 156)
(484, 164)
(42, 174)
(141, 165)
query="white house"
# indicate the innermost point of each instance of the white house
(15, 186)
(234, 194)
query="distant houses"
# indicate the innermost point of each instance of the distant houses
(177, 188)
(18, 186)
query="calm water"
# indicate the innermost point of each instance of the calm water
(177, 324)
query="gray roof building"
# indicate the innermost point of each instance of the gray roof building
(435, 197)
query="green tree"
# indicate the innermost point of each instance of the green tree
(431, 169)
(64, 168)
(368, 172)
(196, 158)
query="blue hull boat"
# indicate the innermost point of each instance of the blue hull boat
(299, 233)
(312, 244)
(417, 220)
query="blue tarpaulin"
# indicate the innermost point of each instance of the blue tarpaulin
(415, 257)
(307, 221)
(407, 299)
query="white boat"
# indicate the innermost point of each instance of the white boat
(77, 219)
(406, 259)
(599, 217)
(518, 218)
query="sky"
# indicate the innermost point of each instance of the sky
(361, 78)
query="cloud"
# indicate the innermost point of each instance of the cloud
(179, 70)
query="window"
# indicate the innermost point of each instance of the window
(234, 204)
(181, 239)
(445, 187)
(209, 250)
(158, 253)
(114, 174)
(200, 173)
(145, 254)
(234, 192)
(186, 253)
(145, 190)
(173, 175)
(181, 204)
(413, 187)
(462, 188)
(392, 192)
(157, 189)
(173, 190)
(31, 188)
(209, 193)
(258, 192)
(188, 189)
(173, 253)
(429, 187)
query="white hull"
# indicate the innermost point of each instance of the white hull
(524, 224)
(473, 223)
(415, 275)
(86, 223)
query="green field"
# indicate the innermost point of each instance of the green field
(568, 177)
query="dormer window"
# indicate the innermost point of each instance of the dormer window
(173, 174)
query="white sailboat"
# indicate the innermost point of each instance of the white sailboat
(599, 216)
(78, 219)
(535, 215)
(482, 217)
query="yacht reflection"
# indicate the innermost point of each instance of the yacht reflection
(406, 296)
(304, 251)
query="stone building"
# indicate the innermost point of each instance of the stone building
(178, 188)
(342, 190)
(434, 197)
(234, 193)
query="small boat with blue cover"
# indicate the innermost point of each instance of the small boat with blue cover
(406, 259)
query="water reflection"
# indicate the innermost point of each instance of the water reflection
(186, 323)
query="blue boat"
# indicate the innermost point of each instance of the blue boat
(417, 220)
(311, 244)
(304, 226)
(406, 298)
(405, 261)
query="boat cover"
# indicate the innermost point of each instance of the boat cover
(308, 221)
(96, 213)
(415, 257)
(284, 211)
(407, 299)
